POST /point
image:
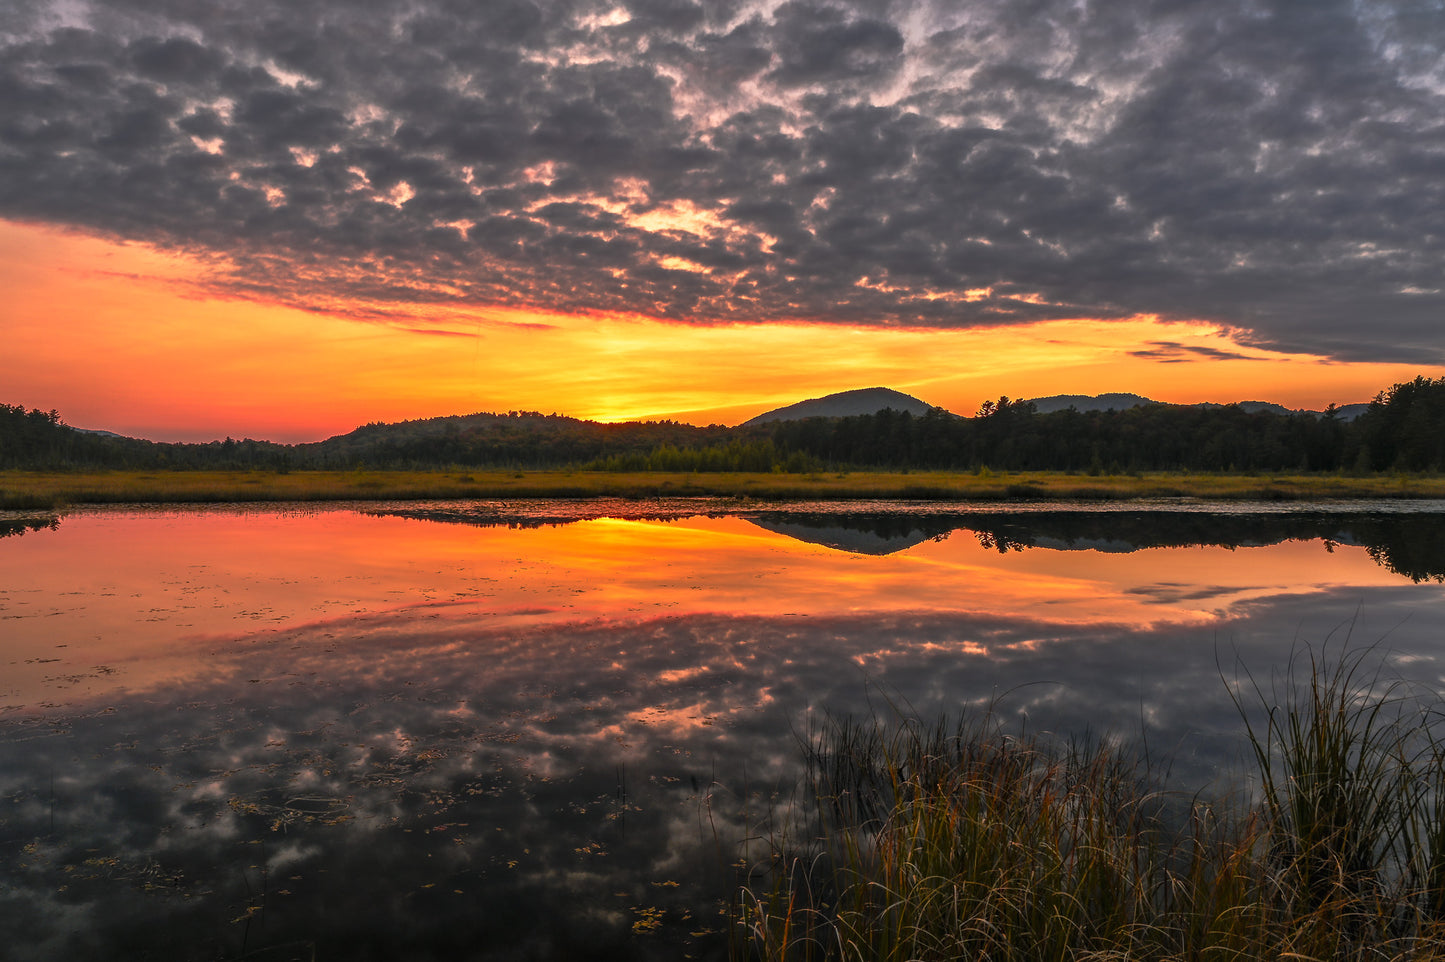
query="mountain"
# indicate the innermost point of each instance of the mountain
(1121, 402)
(1348, 412)
(104, 434)
(1084, 402)
(1345, 412)
(871, 400)
(844, 404)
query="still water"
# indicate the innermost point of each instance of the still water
(547, 731)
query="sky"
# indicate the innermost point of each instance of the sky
(285, 218)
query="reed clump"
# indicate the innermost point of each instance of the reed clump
(956, 840)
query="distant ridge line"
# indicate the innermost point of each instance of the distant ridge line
(874, 399)
(1121, 402)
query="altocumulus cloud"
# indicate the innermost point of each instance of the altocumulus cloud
(1277, 167)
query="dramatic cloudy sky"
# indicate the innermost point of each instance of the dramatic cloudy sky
(1252, 192)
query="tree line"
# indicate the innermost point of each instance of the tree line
(1403, 429)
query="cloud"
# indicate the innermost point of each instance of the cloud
(440, 333)
(1172, 352)
(1273, 168)
(820, 44)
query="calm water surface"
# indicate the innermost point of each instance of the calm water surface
(544, 731)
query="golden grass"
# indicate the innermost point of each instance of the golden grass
(41, 489)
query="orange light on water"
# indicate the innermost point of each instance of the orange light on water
(153, 596)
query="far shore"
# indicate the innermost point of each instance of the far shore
(36, 490)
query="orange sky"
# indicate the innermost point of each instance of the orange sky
(123, 338)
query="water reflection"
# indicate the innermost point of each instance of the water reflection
(12, 527)
(1404, 541)
(384, 737)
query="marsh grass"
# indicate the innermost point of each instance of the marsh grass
(957, 840)
(56, 489)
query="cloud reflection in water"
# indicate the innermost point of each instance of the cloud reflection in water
(453, 775)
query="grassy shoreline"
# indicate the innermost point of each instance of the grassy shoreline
(953, 839)
(55, 489)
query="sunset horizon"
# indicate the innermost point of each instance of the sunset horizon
(286, 221)
(249, 391)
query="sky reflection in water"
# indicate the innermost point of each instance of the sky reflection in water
(383, 735)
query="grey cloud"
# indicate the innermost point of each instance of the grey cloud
(174, 59)
(1173, 351)
(285, 118)
(1275, 168)
(819, 43)
(722, 59)
(673, 16)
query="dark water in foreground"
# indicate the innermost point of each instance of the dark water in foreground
(546, 731)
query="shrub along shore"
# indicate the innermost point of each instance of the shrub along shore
(42, 490)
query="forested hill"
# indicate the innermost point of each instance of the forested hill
(518, 438)
(40, 440)
(1402, 429)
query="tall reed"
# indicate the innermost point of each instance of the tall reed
(957, 840)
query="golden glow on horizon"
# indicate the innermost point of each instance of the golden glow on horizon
(125, 338)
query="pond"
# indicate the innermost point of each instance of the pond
(550, 730)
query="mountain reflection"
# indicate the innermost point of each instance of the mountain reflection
(1409, 544)
(861, 534)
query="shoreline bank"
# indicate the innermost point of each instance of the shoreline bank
(27, 490)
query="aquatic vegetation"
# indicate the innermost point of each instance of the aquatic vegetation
(958, 840)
